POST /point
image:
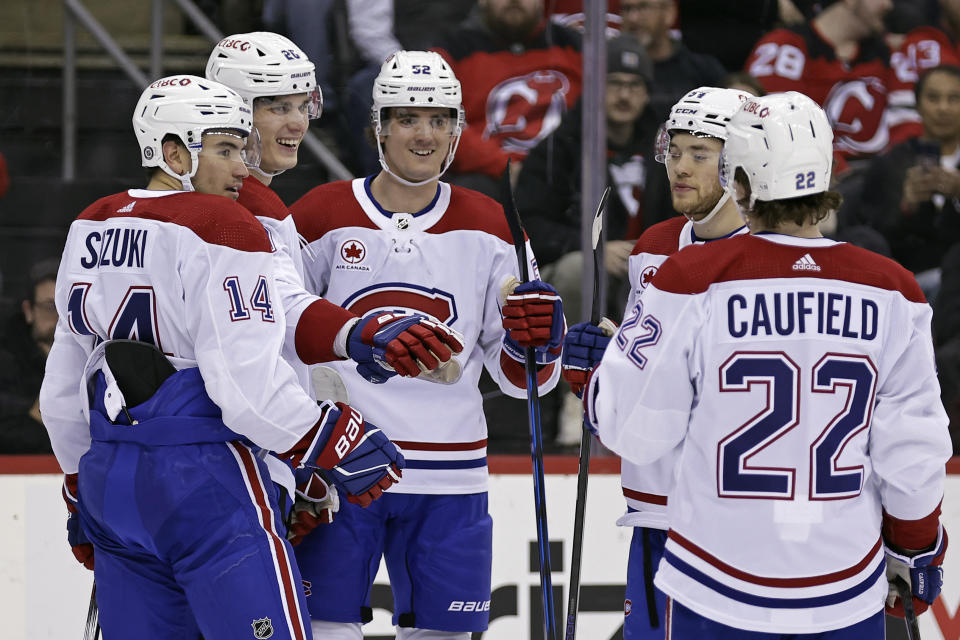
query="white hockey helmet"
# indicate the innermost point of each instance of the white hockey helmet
(187, 107)
(416, 79)
(263, 64)
(703, 112)
(784, 144)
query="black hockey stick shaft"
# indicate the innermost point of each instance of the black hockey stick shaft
(92, 630)
(533, 418)
(579, 518)
(909, 615)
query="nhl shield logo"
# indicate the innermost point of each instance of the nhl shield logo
(262, 628)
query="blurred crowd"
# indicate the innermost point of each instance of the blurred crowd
(886, 72)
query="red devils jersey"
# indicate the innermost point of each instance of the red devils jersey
(513, 97)
(854, 95)
(922, 48)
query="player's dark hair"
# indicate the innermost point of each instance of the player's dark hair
(950, 69)
(800, 211)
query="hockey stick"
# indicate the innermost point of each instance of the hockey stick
(573, 598)
(909, 615)
(533, 417)
(92, 630)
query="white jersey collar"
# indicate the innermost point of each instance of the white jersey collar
(401, 221)
(151, 193)
(795, 241)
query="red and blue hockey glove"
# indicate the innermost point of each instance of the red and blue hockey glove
(386, 344)
(314, 505)
(583, 347)
(354, 455)
(921, 571)
(79, 543)
(533, 317)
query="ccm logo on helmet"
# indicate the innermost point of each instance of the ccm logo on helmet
(754, 107)
(682, 111)
(243, 45)
(169, 82)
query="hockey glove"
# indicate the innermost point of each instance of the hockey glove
(533, 317)
(79, 543)
(314, 505)
(921, 571)
(386, 344)
(355, 456)
(583, 347)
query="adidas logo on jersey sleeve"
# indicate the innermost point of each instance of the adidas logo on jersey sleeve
(806, 263)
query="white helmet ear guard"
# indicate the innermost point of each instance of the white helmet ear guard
(416, 79)
(187, 107)
(703, 112)
(784, 144)
(263, 64)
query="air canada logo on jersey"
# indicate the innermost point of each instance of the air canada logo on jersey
(353, 252)
(262, 628)
(647, 275)
(523, 111)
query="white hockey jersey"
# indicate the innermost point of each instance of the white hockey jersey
(312, 323)
(646, 487)
(448, 262)
(192, 274)
(798, 375)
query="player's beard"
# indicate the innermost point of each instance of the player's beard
(706, 204)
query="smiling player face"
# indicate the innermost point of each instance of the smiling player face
(416, 141)
(282, 123)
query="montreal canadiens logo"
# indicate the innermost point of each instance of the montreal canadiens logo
(646, 276)
(353, 251)
(627, 607)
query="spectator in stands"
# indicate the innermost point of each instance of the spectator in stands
(839, 59)
(727, 30)
(23, 353)
(548, 193)
(676, 69)
(520, 73)
(377, 29)
(912, 193)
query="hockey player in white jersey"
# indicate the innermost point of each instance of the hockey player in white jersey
(403, 240)
(797, 375)
(165, 392)
(277, 82)
(689, 145)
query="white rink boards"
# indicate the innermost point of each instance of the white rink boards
(44, 592)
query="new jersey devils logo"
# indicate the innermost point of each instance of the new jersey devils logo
(353, 251)
(856, 111)
(522, 111)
